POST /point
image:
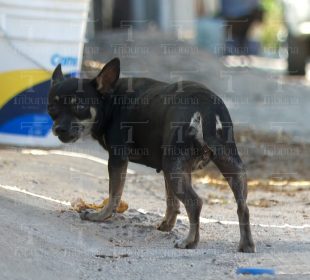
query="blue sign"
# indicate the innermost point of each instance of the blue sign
(64, 60)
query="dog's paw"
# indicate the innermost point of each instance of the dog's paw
(164, 226)
(83, 215)
(185, 244)
(247, 247)
(95, 216)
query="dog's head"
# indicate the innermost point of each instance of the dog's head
(73, 103)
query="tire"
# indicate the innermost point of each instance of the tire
(297, 56)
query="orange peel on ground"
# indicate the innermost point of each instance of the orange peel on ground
(79, 205)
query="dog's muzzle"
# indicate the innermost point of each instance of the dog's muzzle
(66, 135)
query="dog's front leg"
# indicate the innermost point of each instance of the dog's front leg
(117, 174)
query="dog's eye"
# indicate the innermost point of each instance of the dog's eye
(80, 107)
(52, 109)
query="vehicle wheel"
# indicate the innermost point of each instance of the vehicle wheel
(297, 56)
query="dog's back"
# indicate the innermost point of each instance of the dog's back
(156, 115)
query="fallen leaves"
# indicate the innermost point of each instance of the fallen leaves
(263, 203)
(79, 205)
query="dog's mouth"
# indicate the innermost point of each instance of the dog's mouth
(68, 138)
(68, 135)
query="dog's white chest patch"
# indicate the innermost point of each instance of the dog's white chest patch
(218, 124)
(93, 113)
(88, 123)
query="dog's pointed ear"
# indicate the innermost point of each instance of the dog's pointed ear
(57, 75)
(108, 76)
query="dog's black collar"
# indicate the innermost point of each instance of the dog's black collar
(104, 115)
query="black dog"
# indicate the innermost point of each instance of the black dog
(175, 128)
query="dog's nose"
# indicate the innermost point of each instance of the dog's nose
(59, 129)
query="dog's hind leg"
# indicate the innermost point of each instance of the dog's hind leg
(178, 175)
(227, 159)
(172, 210)
(117, 174)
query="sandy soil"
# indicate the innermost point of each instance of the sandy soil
(43, 239)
